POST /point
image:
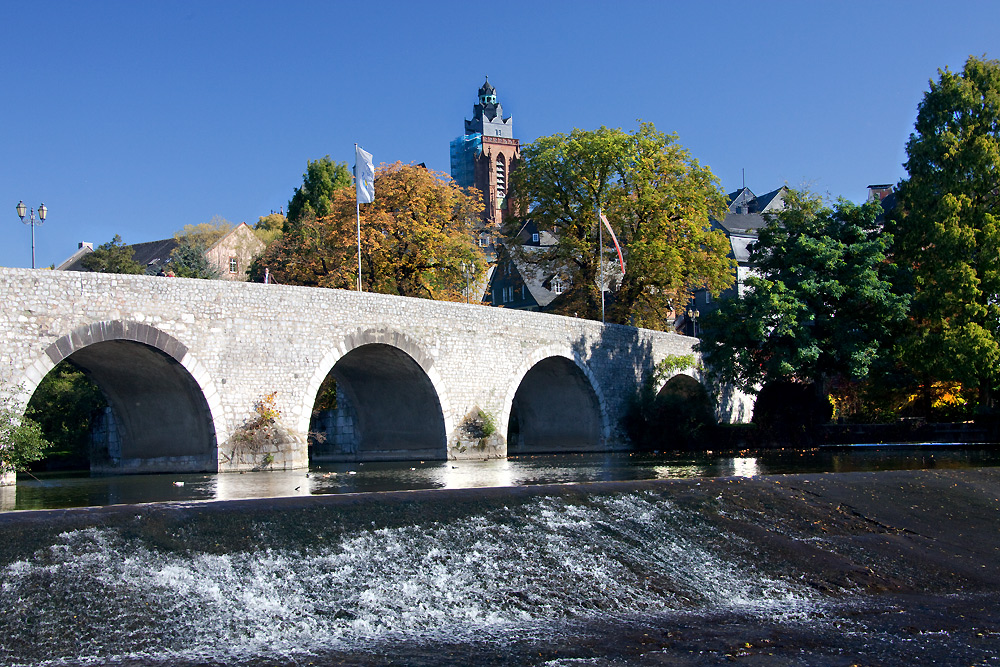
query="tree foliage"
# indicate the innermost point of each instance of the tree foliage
(112, 257)
(21, 439)
(205, 234)
(188, 260)
(657, 198)
(415, 237)
(820, 306)
(948, 229)
(315, 197)
(64, 404)
(270, 227)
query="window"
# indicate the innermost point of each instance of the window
(534, 238)
(233, 265)
(501, 170)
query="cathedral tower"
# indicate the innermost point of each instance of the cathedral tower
(484, 158)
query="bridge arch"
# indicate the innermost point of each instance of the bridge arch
(166, 407)
(395, 394)
(577, 420)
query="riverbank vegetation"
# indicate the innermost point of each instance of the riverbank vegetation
(21, 439)
(883, 312)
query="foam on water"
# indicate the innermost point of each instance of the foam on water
(97, 596)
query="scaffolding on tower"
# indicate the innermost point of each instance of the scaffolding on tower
(464, 151)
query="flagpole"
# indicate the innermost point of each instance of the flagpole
(357, 204)
(600, 245)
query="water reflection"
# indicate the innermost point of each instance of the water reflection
(745, 467)
(8, 498)
(236, 486)
(81, 490)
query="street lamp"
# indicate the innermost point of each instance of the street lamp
(466, 269)
(693, 316)
(42, 212)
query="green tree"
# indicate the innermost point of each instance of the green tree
(314, 198)
(657, 198)
(270, 227)
(63, 404)
(948, 230)
(112, 257)
(415, 237)
(21, 439)
(821, 305)
(188, 260)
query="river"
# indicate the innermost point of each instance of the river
(83, 490)
(692, 561)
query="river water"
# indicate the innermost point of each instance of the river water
(453, 574)
(83, 490)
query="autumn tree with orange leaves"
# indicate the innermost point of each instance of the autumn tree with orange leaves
(415, 238)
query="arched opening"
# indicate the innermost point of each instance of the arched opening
(683, 414)
(555, 409)
(156, 419)
(377, 404)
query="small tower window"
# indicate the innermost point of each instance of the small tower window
(233, 265)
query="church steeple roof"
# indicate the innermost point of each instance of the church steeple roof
(487, 94)
(487, 115)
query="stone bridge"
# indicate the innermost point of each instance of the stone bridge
(185, 364)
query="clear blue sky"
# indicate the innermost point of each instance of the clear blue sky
(138, 118)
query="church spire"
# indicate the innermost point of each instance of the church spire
(487, 93)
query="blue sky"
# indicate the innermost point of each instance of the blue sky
(138, 118)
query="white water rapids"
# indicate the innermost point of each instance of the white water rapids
(99, 597)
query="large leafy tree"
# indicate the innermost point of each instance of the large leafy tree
(658, 200)
(314, 198)
(948, 230)
(819, 305)
(416, 236)
(112, 257)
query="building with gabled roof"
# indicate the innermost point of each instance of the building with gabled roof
(230, 256)
(746, 215)
(514, 282)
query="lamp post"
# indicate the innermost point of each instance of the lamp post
(466, 269)
(42, 212)
(693, 316)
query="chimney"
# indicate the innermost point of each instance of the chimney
(879, 192)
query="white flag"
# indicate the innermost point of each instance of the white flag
(364, 175)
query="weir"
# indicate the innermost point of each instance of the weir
(186, 365)
(895, 568)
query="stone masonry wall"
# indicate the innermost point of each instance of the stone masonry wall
(241, 341)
